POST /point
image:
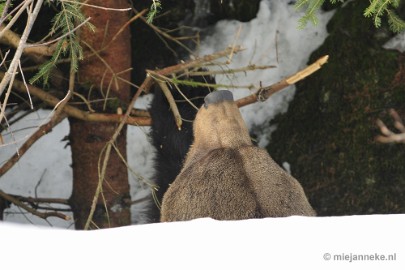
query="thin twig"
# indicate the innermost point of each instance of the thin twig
(134, 18)
(228, 71)
(32, 48)
(43, 215)
(42, 200)
(172, 103)
(17, 55)
(41, 131)
(59, 107)
(5, 10)
(16, 16)
(26, 86)
(237, 35)
(4, 58)
(195, 63)
(98, 7)
(77, 113)
(160, 33)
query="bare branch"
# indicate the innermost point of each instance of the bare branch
(36, 48)
(15, 17)
(32, 200)
(99, 7)
(198, 62)
(21, 46)
(229, 71)
(76, 113)
(172, 103)
(264, 93)
(42, 130)
(134, 18)
(43, 215)
(5, 11)
(13, 39)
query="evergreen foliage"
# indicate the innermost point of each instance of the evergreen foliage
(154, 10)
(377, 9)
(2, 5)
(68, 44)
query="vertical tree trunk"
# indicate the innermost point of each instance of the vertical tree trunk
(89, 139)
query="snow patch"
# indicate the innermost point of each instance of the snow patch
(397, 42)
(272, 38)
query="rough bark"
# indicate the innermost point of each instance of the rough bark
(89, 139)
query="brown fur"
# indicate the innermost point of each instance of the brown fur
(225, 177)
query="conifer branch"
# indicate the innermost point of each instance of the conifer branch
(154, 10)
(67, 21)
(376, 10)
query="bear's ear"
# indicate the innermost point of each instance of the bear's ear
(217, 97)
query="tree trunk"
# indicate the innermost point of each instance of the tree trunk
(89, 139)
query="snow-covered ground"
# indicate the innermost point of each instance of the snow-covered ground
(366, 242)
(44, 171)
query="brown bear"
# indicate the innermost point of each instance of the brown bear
(225, 176)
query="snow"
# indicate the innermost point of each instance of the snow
(44, 171)
(271, 243)
(397, 42)
(272, 38)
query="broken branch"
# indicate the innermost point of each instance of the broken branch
(265, 92)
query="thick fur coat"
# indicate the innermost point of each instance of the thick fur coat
(225, 177)
(172, 144)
